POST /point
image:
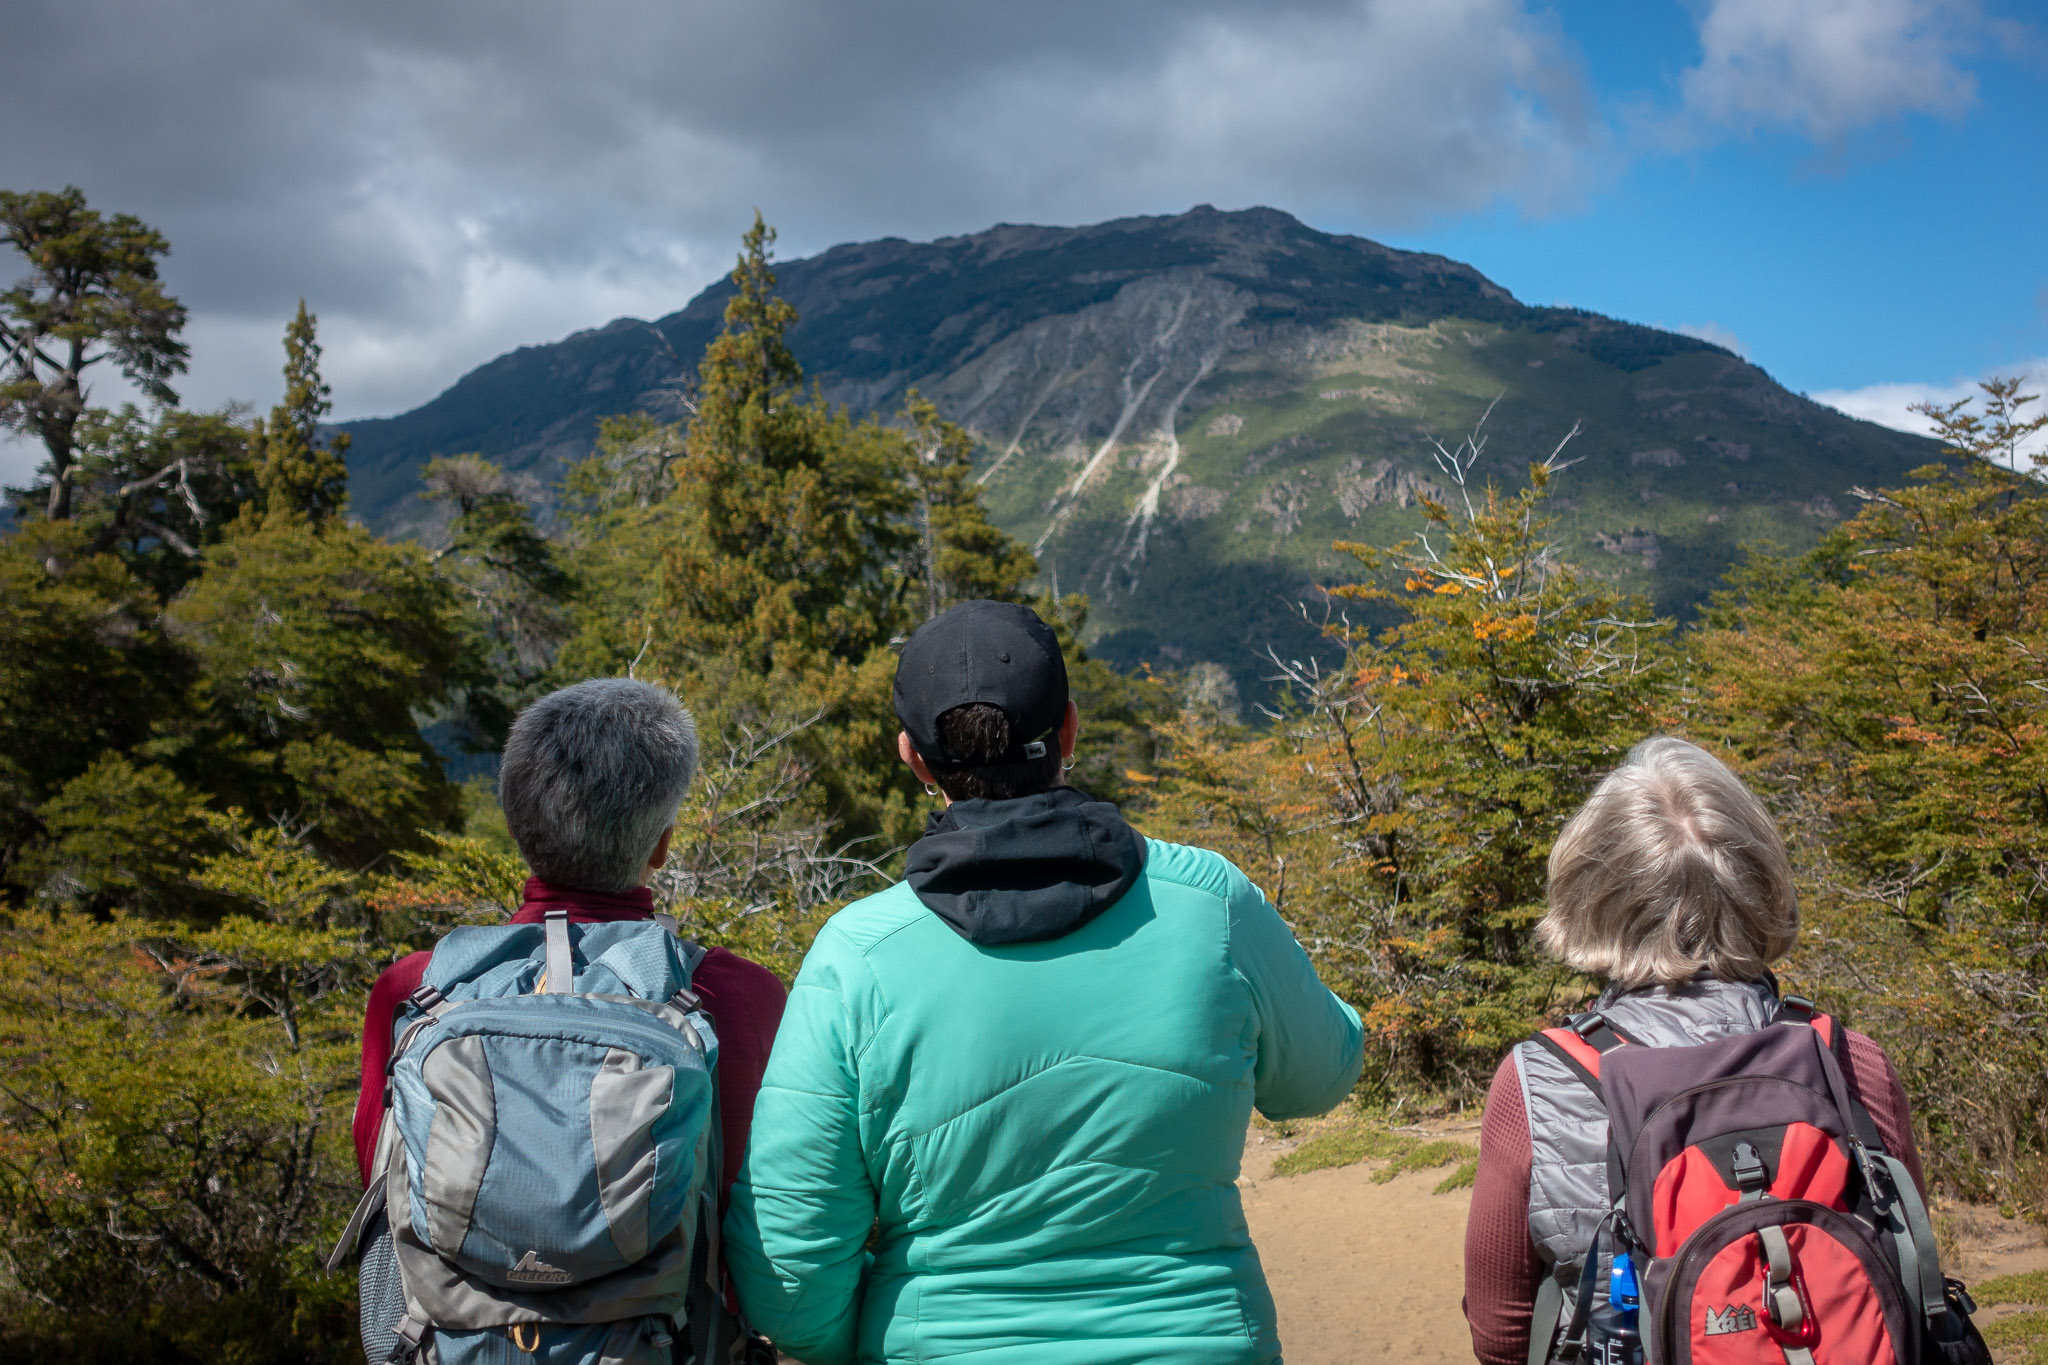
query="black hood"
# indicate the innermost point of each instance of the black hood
(1027, 869)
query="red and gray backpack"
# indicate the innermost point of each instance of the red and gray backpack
(1757, 1217)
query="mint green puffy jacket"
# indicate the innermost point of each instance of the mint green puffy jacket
(1027, 1154)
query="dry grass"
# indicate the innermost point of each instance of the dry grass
(1352, 1136)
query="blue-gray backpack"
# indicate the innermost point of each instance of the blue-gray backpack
(544, 1188)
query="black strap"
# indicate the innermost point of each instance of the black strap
(1603, 1033)
(1833, 1053)
(1574, 1343)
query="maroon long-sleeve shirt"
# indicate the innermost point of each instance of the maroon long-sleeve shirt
(744, 1000)
(1502, 1265)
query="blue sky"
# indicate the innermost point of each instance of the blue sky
(1908, 247)
(1849, 191)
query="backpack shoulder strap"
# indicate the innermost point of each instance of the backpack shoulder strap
(693, 951)
(1890, 1184)
(1834, 1048)
(1545, 1319)
(1580, 1046)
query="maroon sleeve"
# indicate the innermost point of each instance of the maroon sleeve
(745, 1000)
(394, 984)
(1502, 1266)
(1875, 1085)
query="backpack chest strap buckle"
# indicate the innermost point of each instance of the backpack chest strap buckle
(1748, 1168)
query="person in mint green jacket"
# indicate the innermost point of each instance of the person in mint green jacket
(1003, 1118)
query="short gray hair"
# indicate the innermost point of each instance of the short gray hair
(1672, 868)
(591, 777)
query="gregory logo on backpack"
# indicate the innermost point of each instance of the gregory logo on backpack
(533, 1270)
(1736, 1317)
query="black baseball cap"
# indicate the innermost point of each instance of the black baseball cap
(982, 651)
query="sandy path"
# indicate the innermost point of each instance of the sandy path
(1360, 1272)
(1369, 1273)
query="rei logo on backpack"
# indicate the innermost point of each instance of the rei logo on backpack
(545, 1181)
(1756, 1216)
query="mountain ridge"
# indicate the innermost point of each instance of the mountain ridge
(1201, 403)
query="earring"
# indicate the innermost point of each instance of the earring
(931, 789)
(1068, 766)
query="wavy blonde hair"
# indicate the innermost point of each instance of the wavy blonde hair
(1672, 868)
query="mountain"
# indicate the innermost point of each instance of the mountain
(1182, 413)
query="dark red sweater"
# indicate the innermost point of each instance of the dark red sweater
(1502, 1266)
(744, 999)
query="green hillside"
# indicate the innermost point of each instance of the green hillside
(1181, 414)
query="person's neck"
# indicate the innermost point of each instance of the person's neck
(541, 894)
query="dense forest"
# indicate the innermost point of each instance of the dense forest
(230, 720)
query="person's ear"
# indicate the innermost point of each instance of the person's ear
(1070, 731)
(659, 857)
(907, 751)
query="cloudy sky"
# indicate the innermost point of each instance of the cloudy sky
(1848, 191)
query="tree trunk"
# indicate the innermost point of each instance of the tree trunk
(57, 426)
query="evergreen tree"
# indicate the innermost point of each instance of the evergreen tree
(784, 583)
(316, 654)
(91, 296)
(961, 554)
(792, 514)
(159, 491)
(84, 670)
(620, 509)
(302, 473)
(514, 582)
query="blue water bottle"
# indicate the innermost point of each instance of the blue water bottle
(1622, 1295)
(1616, 1338)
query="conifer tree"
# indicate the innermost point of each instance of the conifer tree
(512, 576)
(302, 474)
(92, 296)
(793, 514)
(618, 513)
(961, 554)
(784, 584)
(158, 489)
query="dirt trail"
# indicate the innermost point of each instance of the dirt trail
(1360, 1272)
(1369, 1273)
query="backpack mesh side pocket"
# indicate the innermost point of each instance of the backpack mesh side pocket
(381, 1295)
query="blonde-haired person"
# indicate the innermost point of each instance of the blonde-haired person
(1672, 885)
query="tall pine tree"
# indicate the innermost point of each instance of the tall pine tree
(785, 584)
(961, 554)
(794, 515)
(301, 472)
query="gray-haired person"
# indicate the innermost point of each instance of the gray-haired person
(591, 780)
(1671, 884)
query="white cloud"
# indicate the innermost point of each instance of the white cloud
(445, 181)
(1892, 405)
(1713, 332)
(1829, 67)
